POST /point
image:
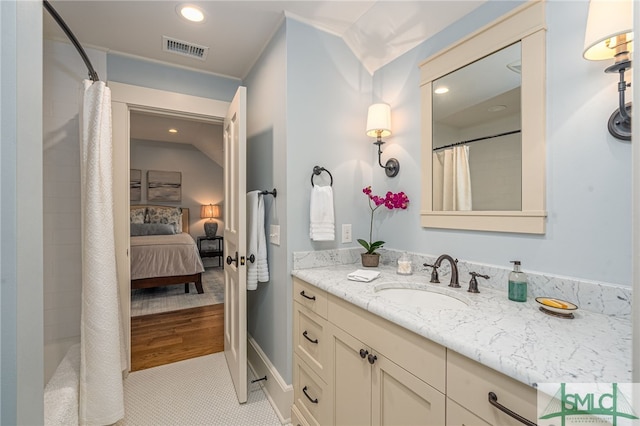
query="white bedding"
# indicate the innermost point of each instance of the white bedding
(164, 256)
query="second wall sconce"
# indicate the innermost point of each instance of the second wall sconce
(378, 126)
(609, 35)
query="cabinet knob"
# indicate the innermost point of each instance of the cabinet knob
(363, 353)
(372, 358)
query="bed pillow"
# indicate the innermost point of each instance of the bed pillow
(170, 215)
(140, 229)
(137, 214)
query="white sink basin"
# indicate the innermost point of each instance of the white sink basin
(418, 297)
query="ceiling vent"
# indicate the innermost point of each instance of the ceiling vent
(183, 48)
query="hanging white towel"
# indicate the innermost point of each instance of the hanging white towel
(322, 223)
(101, 389)
(258, 271)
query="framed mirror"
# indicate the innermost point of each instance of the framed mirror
(483, 128)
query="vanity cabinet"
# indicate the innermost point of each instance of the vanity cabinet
(352, 367)
(468, 387)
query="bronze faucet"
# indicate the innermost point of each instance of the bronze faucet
(454, 270)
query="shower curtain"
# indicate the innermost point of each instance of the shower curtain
(101, 339)
(451, 179)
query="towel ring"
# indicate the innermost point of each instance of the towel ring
(317, 170)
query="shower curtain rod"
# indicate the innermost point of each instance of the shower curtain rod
(478, 139)
(93, 75)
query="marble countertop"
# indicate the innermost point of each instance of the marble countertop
(514, 338)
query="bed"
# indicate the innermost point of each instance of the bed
(162, 251)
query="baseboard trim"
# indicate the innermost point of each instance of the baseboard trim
(279, 393)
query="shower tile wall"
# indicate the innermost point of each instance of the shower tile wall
(63, 75)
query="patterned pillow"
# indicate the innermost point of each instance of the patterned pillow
(137, 214)
(138, 229)
(172, 215)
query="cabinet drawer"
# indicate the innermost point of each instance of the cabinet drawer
(311, 395)
(296, 417)
(310, 338)
(460, 416)
(469, 383)
(310, 297)
(419, 356)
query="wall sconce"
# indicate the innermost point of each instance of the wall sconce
(379, 125)
(210, 211)
(609, 35)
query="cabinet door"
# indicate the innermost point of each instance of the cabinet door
(350, 380)
(400, 398)
(459, 416)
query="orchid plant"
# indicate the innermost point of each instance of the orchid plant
(391, 201)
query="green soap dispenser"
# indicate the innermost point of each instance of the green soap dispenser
(517, 283)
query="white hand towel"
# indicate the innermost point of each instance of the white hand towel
(322, 223)
(258, 271)
(363, 275)
(261, 256)
(252, 238)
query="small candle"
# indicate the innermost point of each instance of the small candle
(404, 267)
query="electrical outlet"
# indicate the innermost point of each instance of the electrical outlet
(346, 233)
(274, 234)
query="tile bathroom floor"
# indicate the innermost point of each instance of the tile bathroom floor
(198, 391)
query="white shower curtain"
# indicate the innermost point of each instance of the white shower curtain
(452, 180)
(102, 353)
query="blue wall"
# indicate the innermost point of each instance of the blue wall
(588, 171)
(155, 75)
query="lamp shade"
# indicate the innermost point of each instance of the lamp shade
(379, 120)
(209, 211)
(608, 20)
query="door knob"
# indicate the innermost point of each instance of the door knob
(231, 260)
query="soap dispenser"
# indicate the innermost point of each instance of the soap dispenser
(517, 283)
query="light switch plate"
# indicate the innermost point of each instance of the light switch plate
(274, 234)
(346, 232)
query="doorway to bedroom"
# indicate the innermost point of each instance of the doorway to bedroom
(169, 324)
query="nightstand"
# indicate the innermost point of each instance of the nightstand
(211, 248)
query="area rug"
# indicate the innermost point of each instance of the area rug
(146, 301)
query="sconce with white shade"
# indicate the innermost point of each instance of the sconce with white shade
(609, 35)
(209, 211)
(379, 126)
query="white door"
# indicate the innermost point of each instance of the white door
(235, 271)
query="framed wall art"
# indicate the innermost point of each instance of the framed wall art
(164, 186)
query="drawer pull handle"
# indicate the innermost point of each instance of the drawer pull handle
(304, 390)
(363, 353)
(308, 338)
(493, 400)
(307, 297)
(372, 358)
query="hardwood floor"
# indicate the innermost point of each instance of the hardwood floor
(168, 337)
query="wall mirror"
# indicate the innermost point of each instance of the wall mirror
(483, 128)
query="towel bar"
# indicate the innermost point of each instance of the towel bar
(317, 170)
(274, 193)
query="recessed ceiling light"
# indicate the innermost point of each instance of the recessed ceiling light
(440, 90)
(173, 130)
(496, 108)
(191, 12)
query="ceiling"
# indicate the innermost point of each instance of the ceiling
(236, 32)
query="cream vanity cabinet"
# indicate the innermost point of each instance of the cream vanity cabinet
(351, 367)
